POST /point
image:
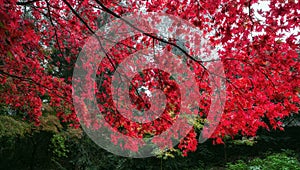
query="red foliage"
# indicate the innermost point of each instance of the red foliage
(262, 72)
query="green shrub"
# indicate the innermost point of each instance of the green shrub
(239, 165)
(58, 146)
(279, 161)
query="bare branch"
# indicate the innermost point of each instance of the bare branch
(27, 3)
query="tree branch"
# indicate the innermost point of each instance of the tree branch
(102, 48)
(27, 3)
(26, 79)
(148, 34)
(78, 16)
(54, 27)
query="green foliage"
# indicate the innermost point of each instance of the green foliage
(239, 165)
(58, 147)
(245, 141)
(283, 161)
(10, 127)
(199, 124)
(170, 153)
(23, 146)
(55, 146)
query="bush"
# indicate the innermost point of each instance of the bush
(283, 161)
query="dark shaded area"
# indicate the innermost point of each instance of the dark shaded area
(33, 150)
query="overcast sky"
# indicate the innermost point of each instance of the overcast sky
(264, 6)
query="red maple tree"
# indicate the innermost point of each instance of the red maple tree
(42, 38)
